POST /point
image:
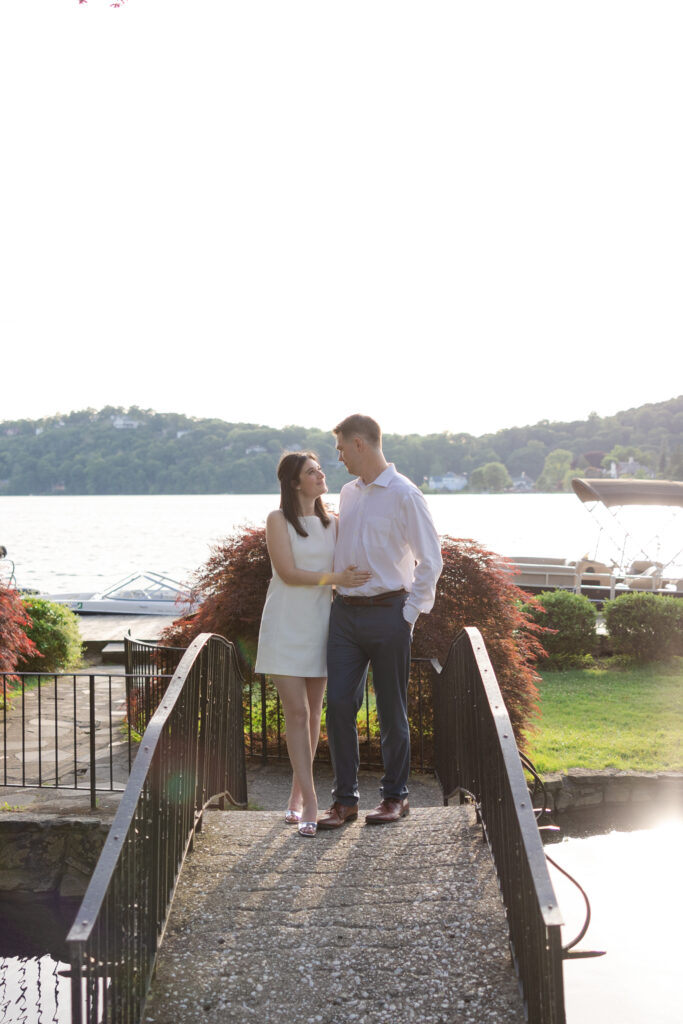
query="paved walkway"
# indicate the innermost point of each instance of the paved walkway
(375, 925)
(64, 712)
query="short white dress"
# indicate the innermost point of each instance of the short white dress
(293, 635)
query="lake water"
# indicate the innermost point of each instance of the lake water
(85, 543)
(633, 883)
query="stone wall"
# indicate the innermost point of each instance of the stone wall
(47, 853)
(580, 788)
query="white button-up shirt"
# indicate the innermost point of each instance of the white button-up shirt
(386, 527)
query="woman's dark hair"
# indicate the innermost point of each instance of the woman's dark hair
(288, 473)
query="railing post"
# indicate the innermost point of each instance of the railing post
(93, 779)
(264, 724)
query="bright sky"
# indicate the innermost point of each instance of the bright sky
(451, 216)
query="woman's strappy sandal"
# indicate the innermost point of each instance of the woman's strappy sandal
(292, 817)
(308, 829)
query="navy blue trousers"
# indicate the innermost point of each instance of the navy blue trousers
(362, 636)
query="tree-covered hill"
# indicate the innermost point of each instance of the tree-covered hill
(138, 451)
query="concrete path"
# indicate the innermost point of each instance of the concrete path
(376, 925)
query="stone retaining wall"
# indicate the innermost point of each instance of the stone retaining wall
(580, 788)
(47, 853)
(51, 853)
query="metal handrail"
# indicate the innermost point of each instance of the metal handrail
(191, 752)
(476, 754)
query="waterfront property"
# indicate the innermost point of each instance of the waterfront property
(116, 934)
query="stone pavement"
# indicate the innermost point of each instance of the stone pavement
(376, 925)
(64, 713)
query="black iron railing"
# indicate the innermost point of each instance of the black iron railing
(476, 755)
(192, 751)
(65, 731)
(264, 725)
(148, 672)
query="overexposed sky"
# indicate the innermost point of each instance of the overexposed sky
(452, 216)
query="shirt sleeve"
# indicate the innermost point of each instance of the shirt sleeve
(424, 543)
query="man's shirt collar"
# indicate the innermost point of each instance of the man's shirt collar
(383, 480)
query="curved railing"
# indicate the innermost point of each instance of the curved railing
(476, 754)
(191, 752)
(149, 669)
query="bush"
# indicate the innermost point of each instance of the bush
(54, 631)
(15, 645)
(648, 627)
(233, 585)
(570, 619)
(473, 590)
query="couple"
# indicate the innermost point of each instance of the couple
(383, 558)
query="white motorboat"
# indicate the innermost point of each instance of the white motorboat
(142, 593)
(654, 565)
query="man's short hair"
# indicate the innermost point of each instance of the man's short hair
(362, 426)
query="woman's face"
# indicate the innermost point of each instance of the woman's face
(311, 480)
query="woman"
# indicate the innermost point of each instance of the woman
(293, 637)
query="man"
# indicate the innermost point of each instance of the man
(384, 526)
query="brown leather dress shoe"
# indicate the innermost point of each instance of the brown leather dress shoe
(338, 815)
(388, 810)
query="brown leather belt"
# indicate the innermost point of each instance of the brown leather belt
(376, 599)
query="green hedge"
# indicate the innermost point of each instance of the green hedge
(55, 633)
(572, 618)
(648, 627)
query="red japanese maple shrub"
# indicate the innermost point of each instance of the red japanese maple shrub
(232, 584)
(15, 646)
(475, 590)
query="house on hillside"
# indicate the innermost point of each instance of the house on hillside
(124, 423)
(523, 483)
(450, 482)
(629, 468)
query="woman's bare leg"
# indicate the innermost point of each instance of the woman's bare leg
(315, 689)
(316, 693)
(295, 704)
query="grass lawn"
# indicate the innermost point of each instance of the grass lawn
(629, 718)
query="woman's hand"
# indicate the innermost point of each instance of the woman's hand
(352, 577)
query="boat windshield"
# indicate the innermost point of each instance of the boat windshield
(146, 587)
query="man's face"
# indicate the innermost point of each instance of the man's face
(349, 453)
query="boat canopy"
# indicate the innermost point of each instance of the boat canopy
(629, 492)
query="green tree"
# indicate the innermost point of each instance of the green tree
(555, 469)
(492, 478)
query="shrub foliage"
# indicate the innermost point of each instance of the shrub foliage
(54, 631)
(648, 627)
(15, 645)
(233, 584)
(570, 620)
(473, 590)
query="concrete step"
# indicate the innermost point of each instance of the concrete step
(114, 653)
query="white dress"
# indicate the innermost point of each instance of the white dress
(293, 634)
